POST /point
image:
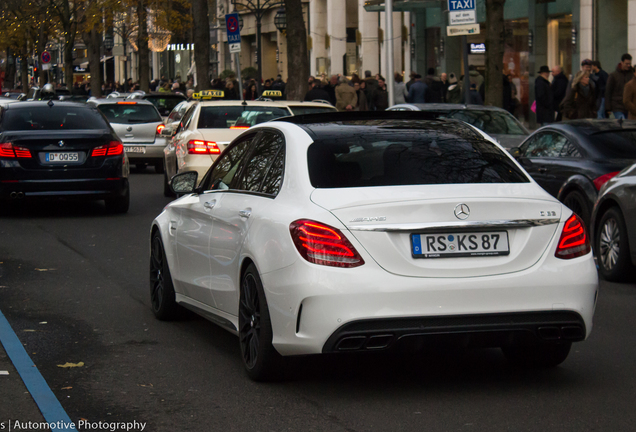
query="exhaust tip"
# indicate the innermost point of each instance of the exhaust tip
(13, 195)
(549, 333)
(20, 195)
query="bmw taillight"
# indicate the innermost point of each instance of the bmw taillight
(574, 241)
(160, 128)
(600, 181)
(321, 244)
(8, 150)
(114, 148)
(201, 147)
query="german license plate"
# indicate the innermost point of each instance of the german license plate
(455, 245)
(135, 149)
(62, 157)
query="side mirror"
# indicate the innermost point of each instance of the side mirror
(22, 96)
(167, 131)
(184, 183)
(515, 152)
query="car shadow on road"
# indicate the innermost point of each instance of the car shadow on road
(52, 208)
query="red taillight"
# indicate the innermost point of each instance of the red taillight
(8, 150)
(160, 128)
(321, 244)
(203, 147)
(600, 181)
(114, 148)
(126, 103)
(574, 241)
(239, 127)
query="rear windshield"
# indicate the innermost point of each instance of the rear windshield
(224, 117)
(165, 104)
(491, 122)
(617, 145)
(130, 113)
(407, 157)
(301, 110)
(51, 118)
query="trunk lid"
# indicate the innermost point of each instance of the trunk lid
(383, 220)
(136, 133)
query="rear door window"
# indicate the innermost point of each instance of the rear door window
(264, 167)
(408, 157)
(228, 164)
(130, 112)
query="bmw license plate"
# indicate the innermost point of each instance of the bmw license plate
(471, 244)
(135, 149)
(61, 157)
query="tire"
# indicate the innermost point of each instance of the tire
(612, 247)
(162, 296)
(120, 203)
(578, 203)
(167, 192)
(261, 360)
(539, 355)
(159, 167)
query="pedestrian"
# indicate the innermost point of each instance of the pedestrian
(380, 96)
(346, 98)
(316, 92)
(543, 97)
(165, 88)
(507, 93)
(189, 93)
(417, 92)
(629, 98)
(362, 98)
(599, 76)
(355, 78)
(580, 103)
(434, 86)
(251, 93)
(399, 89)
(444, 78)
(331, 89)
(279, 84)
(231, 92)
(616, 85)
(474, 76)
(411, 80)
(372, 83)
(474, 98)
(454, 93)
(559, 88)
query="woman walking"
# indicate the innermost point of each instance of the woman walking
(580, 103)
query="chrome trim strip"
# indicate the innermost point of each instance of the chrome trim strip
(437, 226)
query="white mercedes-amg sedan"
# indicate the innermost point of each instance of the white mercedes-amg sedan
(347, 232)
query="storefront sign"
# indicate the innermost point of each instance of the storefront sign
(477, 48)
(80, 70)
(180, 47)
(462, 30)
(461, 12)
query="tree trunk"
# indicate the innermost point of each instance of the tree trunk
(494, 52)
(39, 49)
(297, 54)
(69, 41)
(92, 41)
(201, 38)
(144, 51)
(9, 75)
(24, 68)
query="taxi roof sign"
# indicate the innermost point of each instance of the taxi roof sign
(208, 94)
(272, 93)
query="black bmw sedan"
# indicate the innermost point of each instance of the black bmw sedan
(573, 160)
(61, 149)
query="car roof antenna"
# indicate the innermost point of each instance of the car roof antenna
(50, 103)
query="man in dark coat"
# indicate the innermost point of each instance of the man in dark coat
(435, 93)
(544, 97)
(331, 89)
(315, 92)
(616, 85)
(559, 88)
(599, 76)
(418, 90)
(380, 96)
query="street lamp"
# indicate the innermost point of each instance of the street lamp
(280, 20)
(259, 8)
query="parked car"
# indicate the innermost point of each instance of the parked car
(496, 122)
(572, 160)
(35, 93)
(61, 149)
(165, 102)
(614, 226)
(139, 125)
(347, 232)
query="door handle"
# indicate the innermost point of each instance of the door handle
(172, 226)
(245, 213)
(209, 204)
(542, 170)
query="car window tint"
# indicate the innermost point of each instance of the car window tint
(569, 150)
(491, 122)
(187, 117)
(224, 117)
(260, 161)
(165, 104)
(130, 113)
(616, 144)
(177, 112)
(274, 178)
(55, 118)
(546, 144)
(227, 165)
(408, 157)
(301, 110)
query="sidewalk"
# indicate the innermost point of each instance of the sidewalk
(16, 402)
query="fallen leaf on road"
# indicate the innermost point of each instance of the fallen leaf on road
(66, 388)
(144, 385)
(44, 322)
(71, 365)
(28, 330)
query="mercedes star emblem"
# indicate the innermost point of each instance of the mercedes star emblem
(462, 211)
(129, 128)
(61, 143)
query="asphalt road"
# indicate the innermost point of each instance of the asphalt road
(85, 275)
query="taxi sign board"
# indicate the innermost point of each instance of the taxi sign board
(233, 32)
(461, 12)
(272, 93)
(208, 94)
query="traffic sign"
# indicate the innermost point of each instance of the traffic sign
(46, 57)
(461, 12)
(233, 29)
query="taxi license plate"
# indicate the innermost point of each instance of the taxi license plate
(62, 157)
(455, 245)
(135, 149)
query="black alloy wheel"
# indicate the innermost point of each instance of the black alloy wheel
(119, 203)
(162, 296)
(577, 202)
(612, 247)
(261, 360)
